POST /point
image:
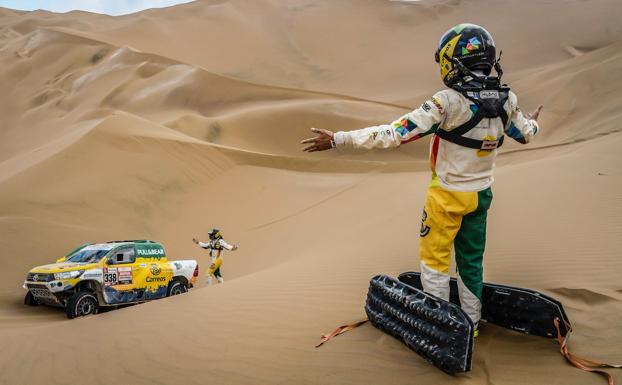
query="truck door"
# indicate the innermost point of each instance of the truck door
(154, 277)
(119, 278)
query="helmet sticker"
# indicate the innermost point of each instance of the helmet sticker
(458, 28)
(445, 55)
(472, 45)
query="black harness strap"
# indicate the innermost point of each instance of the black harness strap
(468, 142)
(485, 109)
(470, 124)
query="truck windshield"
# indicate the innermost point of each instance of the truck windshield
(87, 255)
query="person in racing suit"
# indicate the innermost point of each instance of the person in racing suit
(459, 194)
(215, 246)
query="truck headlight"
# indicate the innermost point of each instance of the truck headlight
(68, 274)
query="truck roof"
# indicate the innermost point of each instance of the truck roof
(112, 244)
(133, 241)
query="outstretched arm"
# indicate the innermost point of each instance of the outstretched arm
(523, 127)
(414, 125)
(323, 141)
(203, 245)
(228, 246)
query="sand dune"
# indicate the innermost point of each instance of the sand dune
(188, 98)
(312, 45)
(164, 123)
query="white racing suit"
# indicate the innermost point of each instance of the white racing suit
(215, 247)
(459, 194)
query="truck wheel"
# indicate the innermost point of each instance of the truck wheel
(81, 304)
(175, 288)
(30, 300)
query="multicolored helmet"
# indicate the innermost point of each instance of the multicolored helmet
(214, 233)
(469, 44)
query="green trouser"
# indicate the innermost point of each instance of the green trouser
(458, 218)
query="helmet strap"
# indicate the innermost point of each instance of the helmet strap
(497, 66)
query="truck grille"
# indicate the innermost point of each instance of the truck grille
(39, 277)
(42, 293)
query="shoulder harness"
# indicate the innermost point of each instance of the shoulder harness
(216, 245)
(489, 96)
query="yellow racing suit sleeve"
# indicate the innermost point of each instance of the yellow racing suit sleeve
(411, 126)
(520, 128)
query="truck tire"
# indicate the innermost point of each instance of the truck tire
(175, 288)
(30, 300)
(81, 304)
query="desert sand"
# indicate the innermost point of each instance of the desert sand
(163, 123)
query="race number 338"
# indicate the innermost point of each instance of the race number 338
(111, 277)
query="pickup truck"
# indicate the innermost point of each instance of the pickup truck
(109, 274)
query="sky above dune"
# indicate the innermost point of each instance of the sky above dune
(110, 7)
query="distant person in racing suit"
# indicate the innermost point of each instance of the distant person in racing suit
(467, 121)
(215, 246)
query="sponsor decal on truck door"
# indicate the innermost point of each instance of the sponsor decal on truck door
(119, 276)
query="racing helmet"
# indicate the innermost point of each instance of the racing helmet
(214, 233)
(470, 45)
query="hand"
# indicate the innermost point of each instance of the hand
(235, 247)
(195, 241)
(534, 115)
(322, 142)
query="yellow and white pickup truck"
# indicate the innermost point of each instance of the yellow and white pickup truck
(109, 274)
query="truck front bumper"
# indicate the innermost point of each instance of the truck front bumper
(48, 292)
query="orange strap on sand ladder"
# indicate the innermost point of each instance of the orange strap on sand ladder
(581, 363)
(340, 330)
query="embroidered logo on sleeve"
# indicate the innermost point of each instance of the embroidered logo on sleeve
(381, 133)
(404, 126)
